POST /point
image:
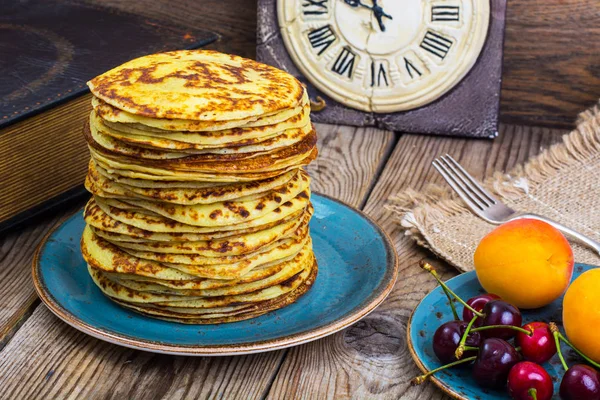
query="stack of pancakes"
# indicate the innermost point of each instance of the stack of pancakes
(200, 205)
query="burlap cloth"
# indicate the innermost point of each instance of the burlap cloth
(561, 183)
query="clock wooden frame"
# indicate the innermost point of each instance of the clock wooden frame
(469, 109)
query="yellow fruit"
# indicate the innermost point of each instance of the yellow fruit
(526, 262)
(581, 313)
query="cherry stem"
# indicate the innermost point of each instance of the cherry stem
(429, 268)
(533, 393)
(451, 301)
(559, 336)
(515, 328)
(463, 340)
(556, 333)
(422, 378)
(471, 348)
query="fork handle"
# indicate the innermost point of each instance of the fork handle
(564, 229)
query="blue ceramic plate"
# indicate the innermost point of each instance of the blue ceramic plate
(434, 310)
(357, 269)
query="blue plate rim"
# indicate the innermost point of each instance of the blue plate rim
(460, 279)
(250, 347)
(440, 384)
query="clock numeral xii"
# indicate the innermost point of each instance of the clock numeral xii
(444, 13)
(314, 7)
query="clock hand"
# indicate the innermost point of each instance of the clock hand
(379, 14)
(377, 11)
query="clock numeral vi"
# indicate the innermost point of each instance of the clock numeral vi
(413, 71)
(321, 38)
(436, 44)
(344, 63)
(314, 7)
(379, 75)
(444, 13)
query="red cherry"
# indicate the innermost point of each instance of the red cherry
(526, 377)
(494, 361)
(498, 312)
(477, 302)
(580, 382)
(540, 346)
(447, 337)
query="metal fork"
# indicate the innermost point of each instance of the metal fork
(485, 205)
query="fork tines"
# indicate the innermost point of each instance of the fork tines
(463, 183)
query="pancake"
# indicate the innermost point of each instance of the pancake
(197, 85)
(208, 163)
(100, 254)
(114, 115)
(207, 317)
(120, 231)
(113, 166)
(164, 147)
(201, 207)
(286, 270)
(157, 223)
(228, 246)
(103, 255)
(232, 138)
(227, 267)
(98, 184)
(230, 212)
(120, 292)
(153, 184)
(202, 283)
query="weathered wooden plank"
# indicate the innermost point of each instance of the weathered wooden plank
(551, 71)
(349, 160)
(371, 359)
(58, 361)
(17, 296)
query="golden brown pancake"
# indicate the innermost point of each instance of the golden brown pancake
(197, 85)
(120, 230)
(239, 162)
(116, 167)
(99, 184)
(246, 312)
(200, 210)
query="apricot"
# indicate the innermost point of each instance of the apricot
(526, 262)
(581, 313)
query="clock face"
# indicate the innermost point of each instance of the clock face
(384, 55)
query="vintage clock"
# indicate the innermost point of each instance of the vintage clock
(426, 66)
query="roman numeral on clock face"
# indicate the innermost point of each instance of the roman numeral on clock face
(436, 44)
(444, 13)
(344, 63)
(314, 7)
(412, 70)
(379, 75)
(321, 38)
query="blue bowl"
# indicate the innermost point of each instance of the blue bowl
(435, 309)
(357, 270)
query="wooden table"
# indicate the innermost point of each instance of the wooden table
(42, 357)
